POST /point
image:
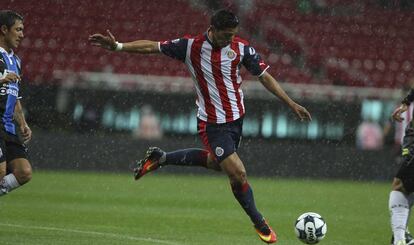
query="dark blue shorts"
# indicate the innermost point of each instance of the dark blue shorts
(10, 150)
(221, 140)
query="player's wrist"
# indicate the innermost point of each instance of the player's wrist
(118, 46)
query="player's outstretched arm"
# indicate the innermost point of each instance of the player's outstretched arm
(273, 86)
(109, 42)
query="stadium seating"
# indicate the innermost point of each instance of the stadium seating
(364, 45)
(56, 34)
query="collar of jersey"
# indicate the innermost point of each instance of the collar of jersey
(2, 50)
(210, 42)
(208, 39)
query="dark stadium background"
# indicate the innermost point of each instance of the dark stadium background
(346, 61)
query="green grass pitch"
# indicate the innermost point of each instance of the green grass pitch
(103, 208)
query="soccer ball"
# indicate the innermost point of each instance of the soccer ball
(310, 228)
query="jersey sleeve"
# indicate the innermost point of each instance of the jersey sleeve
(176, 48)
(253, 62)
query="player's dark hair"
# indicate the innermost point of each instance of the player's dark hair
(223, 19)
(9, 17)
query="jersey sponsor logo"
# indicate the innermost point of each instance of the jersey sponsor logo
(219, 151)
(231, 54)
(12, 91)
(6, 89)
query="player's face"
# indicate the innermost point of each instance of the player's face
(222, 38)
(14, 35)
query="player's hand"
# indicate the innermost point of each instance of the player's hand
(396, 115)
(11, 77)
(301, 112)
(106, 42)
(26, 133)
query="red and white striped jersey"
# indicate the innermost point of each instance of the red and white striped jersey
(401, 126)
(216, 74)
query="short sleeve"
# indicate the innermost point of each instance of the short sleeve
(176, 48)
(253, 62)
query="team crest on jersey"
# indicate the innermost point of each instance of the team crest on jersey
(219, 151)
(231, 54)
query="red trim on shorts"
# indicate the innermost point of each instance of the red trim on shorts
(202, 132)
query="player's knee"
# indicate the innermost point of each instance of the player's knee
(397, 185)
(23, 175)
(2, 173)
(214, 166)
(212, 163)
(239, 176)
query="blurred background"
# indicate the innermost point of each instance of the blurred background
(349, 62)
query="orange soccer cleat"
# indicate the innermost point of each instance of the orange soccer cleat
(149, 163)
(266, 233)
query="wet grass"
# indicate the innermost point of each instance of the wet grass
(102, 208)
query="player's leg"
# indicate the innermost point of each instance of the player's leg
(19, 170)
(399, 210)
(21, 174)
(223, 141)
(8, 182)
(3, 169)
(402, 187)
(400, 213)
(156, 158)
(234, 168)
(22, 170)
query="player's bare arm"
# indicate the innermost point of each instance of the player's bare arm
(405, 103)
(273, 86)
(109, 42)
(396, 115)
(10, 77)
(25, 130)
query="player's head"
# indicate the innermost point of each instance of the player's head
(224, 26)
(11, 29)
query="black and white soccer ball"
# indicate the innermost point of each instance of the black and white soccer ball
(310, 228)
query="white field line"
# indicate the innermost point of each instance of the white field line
(94, 233)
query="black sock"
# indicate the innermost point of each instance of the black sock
(244, 194)
(187, 157)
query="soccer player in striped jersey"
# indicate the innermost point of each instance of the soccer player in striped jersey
(401, 196)
(15, 169)
(214, 60)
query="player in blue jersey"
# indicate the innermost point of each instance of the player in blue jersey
(15, 169)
